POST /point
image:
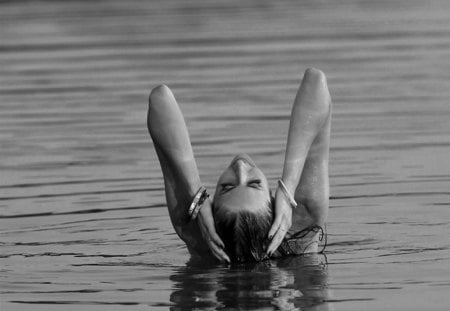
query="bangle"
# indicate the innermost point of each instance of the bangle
(197, 202)
(287, 194)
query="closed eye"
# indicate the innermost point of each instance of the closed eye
(226, 187)
(255, 183)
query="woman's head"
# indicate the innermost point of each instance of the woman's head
(243, 209)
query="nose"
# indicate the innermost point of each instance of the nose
(241, 168)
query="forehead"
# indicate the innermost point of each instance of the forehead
(241, 196)
(242, 199)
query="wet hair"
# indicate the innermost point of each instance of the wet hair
(244, 233)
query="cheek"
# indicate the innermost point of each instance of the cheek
(264, 181)
(266, 190)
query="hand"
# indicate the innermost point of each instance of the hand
(206, 223)
(282, 222)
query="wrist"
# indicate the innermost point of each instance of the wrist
(287, 194)
(290, 183)
(292, 173)
(199, 199)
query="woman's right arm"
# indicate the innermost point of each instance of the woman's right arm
(170, 137)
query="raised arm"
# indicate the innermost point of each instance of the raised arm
(181, 178)
(305, 171)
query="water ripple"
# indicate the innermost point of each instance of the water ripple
(83, 219)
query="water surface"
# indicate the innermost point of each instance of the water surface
(83, 222)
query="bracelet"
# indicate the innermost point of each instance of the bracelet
(197, 202)
(287, 194)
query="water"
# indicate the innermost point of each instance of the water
(83, 222)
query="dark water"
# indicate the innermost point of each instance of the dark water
(83, 224)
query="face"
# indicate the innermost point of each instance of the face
(242, 186)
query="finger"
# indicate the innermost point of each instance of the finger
(273, 244)
(275, 226)
(211, 238)
(276, 241)
(216, 239)
(212, 234)
(209, 233)
(207, 221)
(218, 252)
(202, 227)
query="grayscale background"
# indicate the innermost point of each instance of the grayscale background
(83, 222)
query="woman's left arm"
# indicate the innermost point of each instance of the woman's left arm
(309, 113)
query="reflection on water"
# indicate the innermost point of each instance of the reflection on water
(83, 222)
(291, 283)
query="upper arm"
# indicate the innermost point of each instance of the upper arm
(168, 130)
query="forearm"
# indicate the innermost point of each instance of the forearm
(309, 112)
(300, 137)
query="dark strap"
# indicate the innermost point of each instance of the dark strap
(290, 246)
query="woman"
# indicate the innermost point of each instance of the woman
(243, 222)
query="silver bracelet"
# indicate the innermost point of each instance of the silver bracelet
(197, 202)
(287, 194)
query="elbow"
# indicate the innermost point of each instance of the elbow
(315, 76)
(315, 82)
(158, 94)
(158, 100)
(318, 209)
